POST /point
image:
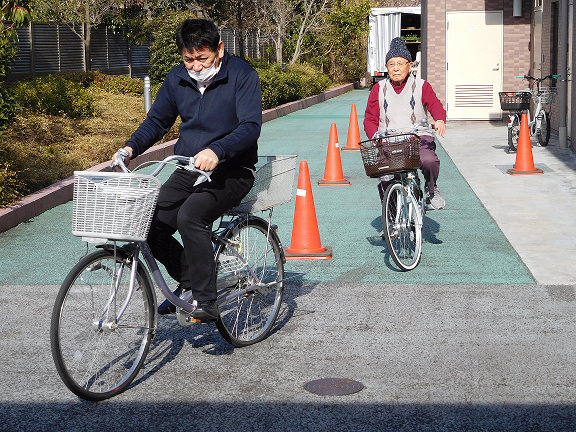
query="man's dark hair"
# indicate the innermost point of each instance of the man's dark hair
(197, 34)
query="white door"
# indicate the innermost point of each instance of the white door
(474, 65)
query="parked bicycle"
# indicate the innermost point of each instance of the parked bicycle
(105, 314)
(395, 159)
(518, 102)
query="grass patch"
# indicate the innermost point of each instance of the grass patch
(41, 149)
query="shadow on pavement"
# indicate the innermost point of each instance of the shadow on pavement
(327, 414)
(171, 336)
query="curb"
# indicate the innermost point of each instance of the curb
(61, 192)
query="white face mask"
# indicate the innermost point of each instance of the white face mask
(205, 74)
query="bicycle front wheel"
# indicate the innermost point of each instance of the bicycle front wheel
(513, 132)
(544, 132)
(402, 227)
(96, 355)
(249, 264)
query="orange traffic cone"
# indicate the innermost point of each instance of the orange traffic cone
(353, 132)
(305, 242)
(524, 161)
(333, 175)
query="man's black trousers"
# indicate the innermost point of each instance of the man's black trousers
(191, 210)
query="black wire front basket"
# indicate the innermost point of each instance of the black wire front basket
(390, 154)
(515, 101)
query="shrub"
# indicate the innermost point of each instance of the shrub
(9, 184)
(116, 84)
(259, 63)
(85, 79)
(8, 109)
(313, 81)
(281, 86)
(54, 95)
(121, 84)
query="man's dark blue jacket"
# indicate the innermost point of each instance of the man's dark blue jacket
(227, 118)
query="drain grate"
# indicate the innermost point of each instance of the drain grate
(333, 386)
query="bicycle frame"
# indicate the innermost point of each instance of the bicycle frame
(181, 302)
(534, 124)
(408, 184)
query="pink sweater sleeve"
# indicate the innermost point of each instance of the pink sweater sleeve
(432, 103)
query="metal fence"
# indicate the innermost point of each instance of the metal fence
(48, 48)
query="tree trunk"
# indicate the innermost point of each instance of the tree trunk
(87, 35)
(241, 31)
(279, 44)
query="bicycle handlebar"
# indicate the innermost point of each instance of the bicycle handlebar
(428, 127)
(186, 162)
(538, 79)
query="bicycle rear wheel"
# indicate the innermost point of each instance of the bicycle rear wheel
(97, 357)
(544, 132)
(402, 229)
(514, 132)
(249, 262)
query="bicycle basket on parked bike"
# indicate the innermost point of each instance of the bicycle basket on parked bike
(113, 206)
(390, 154)
(546, 95)
(515, 101)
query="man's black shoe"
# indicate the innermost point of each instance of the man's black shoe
(166, 307)
(206, 312)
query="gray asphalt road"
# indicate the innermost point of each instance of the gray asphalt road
(431, 357)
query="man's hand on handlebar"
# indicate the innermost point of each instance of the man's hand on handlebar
(206, 160)
(130, 151)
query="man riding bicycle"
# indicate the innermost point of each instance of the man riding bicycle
(399, 103)
(218, 98)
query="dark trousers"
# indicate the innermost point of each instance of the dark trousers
(191, 210)
(429, 164)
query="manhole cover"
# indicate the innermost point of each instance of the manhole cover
(333, 386)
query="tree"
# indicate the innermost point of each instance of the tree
(16, 14)
(310, 18)
(344, 44)
(280, 13)
(245, 16)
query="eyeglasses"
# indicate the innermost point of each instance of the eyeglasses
(399, 64)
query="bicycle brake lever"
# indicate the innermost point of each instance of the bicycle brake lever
(204, 175)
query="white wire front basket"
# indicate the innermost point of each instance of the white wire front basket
(113, 206)
(273, 184)
(547, 95)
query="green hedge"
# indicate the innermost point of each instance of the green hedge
(280, 86)
(121, 84)
(54, 95)
(9, 184)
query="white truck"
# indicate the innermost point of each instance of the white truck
(386, 24)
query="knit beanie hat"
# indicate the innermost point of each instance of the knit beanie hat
(398, 49)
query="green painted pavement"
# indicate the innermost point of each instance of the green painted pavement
(463, 244)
